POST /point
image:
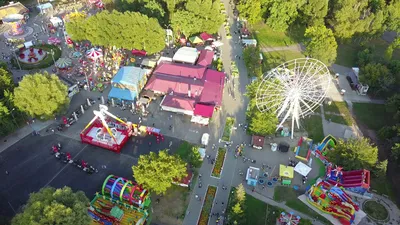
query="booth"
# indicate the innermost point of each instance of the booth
(252, 176)
(302, 169)
(257, 141)
(286, 173)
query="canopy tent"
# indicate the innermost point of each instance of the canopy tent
(209, 48)
(206, 37)
(149, 63)
(28, 44)
(130, 75)
(286, 171)
(63, 63)
(283, 147)
(195, 40)
(139, 52)
(217, 44)
(302, 169)
(56, 21)
(94, 53)
(43, 8)
(53, 41)
(123, 94)
(247, 42)
(77, 55)
(186, 55)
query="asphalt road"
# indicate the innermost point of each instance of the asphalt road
(31, 166)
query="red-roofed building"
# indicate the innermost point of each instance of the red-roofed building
(185, 85)
(205, 58)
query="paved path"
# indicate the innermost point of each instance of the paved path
(296, 47)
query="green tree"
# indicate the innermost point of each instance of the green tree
(377, 76)
(282, 13)
(263, 123)
(154, 9)
(237, 209)
(198, 16)
(157, 171)
(135, 31)
(354, 154)
(393, 15)
(322, 44)
(393, 106)
(251, 10)
(41, 95)
(349, 17)
(364, 57)
(251, 58)
(394, 45)
(240, 193)
(54, 206)
(314, 11)
(6, 82)
(195, 157)
(395, 154)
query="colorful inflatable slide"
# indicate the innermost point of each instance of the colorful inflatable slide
(357, 181)
(328, 143)
(332, 200)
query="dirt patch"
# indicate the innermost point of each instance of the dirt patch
(171, 208)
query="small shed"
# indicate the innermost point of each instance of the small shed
(252, 176)
(249, 42)
(56, 21)
(257, 141)
(46, 7)
(186, 55)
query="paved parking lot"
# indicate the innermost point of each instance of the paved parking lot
(31, 166)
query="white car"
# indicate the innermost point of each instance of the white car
(204, 139)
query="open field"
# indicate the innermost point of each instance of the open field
(274, 59)
(266, 37)
(374, 116)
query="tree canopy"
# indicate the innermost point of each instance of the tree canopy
(251, 10)
(354, 154)
(56, 207)
(322, 44)
(41, 95)
(135, 31)
(263, 123)
(157, 171)
(251, 58)
(282, 13)
(198, 16)
(377, 76)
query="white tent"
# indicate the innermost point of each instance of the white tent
(302, 169)
(44, 8)
(56, 21)
(28, 44)
(186, 55)
(217, 44)
(249, 42)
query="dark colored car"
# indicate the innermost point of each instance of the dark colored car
(351, 83)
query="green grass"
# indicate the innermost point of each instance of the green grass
(276, 58)
(343, 115)
(266, 37)
(347, 53)
(46, 62)
(383, 186)
(259, 213)
(321, 172)
(375, 210)
(226, 136)
(374, 116)
(289, 195)
(313, 126)
(187, 154)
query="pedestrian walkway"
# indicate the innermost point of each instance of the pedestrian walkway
(22, 132)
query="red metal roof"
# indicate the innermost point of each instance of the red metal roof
(258, 141)
(206, 36)
(182, 70)
(213, 88)
(178, 102)
(166, 84)
(203, 110)
(205, 58)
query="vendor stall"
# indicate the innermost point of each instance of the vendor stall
(286, 173)
(252, 176)
(302, 169)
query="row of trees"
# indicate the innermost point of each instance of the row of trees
(346, 17)
(138, 25)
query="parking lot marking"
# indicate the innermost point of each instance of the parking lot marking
(64, 167)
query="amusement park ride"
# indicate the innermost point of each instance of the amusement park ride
(112, 135)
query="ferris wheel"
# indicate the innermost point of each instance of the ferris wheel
(294, 89)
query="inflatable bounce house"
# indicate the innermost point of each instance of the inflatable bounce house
(332, 200)
(303, 149)
(357, 181)
(122, 202)
(327, 144)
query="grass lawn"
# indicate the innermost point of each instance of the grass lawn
(375, 210)
(259, 213)
(226, 136)
(266, 37)
(274, 59)
(347, 53)
(321, 172)
(289, 195)
(343, 114)
(372, 115)
(383, 187)
(313, 126)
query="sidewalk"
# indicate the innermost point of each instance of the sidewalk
(22, 132)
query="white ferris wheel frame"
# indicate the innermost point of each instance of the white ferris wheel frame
(294, 89)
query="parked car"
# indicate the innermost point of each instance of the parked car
(351, 83)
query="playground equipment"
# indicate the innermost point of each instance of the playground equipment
(121, 189)
(332, 200)
(286, 173)
(293, 90)
(303, 149)
(288, 219)
(357, 181)
(112, 135)
(328, 143)
(107, 211)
